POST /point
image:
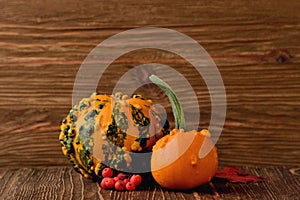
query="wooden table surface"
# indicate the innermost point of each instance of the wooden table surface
(255, 45)
(65, 183)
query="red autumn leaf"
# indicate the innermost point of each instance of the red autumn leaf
(234, 175)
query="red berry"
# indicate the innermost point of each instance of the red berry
(125, 181)
(107, 183)
(119, 185)
(121, 176)
(103, 185)
(130, 186)
(116, 178)
(136, 179)
(107, 172)
(110, 182)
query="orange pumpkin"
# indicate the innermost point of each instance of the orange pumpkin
(101, 131)
(182, 160)
(188, 170)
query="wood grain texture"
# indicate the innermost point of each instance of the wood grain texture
(65, 183)
(254, 44)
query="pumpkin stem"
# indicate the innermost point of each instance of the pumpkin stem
(176, 106)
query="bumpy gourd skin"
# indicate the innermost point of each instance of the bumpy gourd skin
(196, 170)
(114, 123)
(183, 159)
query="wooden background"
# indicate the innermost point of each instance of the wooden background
(255, 45)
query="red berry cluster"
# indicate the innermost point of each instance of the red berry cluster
(119, 182)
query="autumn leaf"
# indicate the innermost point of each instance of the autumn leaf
(234, 175)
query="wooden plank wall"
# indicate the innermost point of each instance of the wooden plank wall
(255, 45)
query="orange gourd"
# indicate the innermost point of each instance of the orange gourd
(182, 160)
(102, 130)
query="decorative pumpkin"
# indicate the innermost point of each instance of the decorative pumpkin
(101, 131)
(182, 160)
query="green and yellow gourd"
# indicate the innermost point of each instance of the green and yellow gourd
(102, 130)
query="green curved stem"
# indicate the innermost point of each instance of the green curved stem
(176, 107)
